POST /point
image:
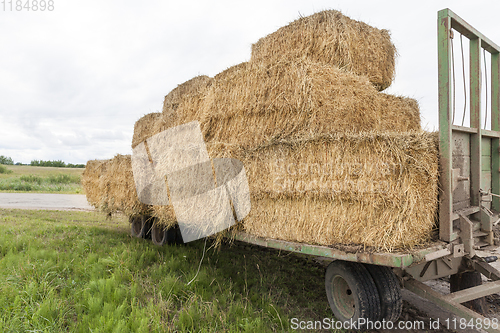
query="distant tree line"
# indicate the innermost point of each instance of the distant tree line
(6, 160)
(57, 164)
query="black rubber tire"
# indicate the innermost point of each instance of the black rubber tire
(174, 235)
(389, 292)
(351, 291)
(136, 224)
(140, 226)
(158, 235)
(466, 280)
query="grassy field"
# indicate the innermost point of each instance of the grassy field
(78, 272)
(24, 178)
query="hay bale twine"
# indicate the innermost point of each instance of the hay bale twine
(332, 38)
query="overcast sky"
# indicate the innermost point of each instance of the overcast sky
(74, 80)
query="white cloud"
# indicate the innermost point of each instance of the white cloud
(73, 81)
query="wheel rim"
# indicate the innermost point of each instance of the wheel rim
(343, 297)
(158, 234)
(137, 226)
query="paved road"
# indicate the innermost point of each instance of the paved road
(44, 201)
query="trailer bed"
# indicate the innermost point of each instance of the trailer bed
(396, 259)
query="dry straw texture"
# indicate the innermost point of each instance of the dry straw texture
(186, 98)
(110, 187)
(191, 90)
(90, 181)
(332, 38)
(375, 189)
(254, 103)
(143, 127)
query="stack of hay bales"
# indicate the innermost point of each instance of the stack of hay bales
(309, 99)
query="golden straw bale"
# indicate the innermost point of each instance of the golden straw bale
(231, 71)
(374, 189)
(400, 112)
(330, 37)
(111, 186)
(189, 89)
(256, 103)
(188, 95)
(253, 103)
(143, 127)
(90, 180)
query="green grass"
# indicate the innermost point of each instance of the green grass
(21, 178)
(78, 272)
(4, 170)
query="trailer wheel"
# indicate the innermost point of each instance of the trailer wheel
(136, 226)
(140, 226)
(389, 291)
(158, 234)
(351, 292)
(466, 280)
(161, 236)
(174, 235)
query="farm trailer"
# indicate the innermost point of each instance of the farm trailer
(361, 284)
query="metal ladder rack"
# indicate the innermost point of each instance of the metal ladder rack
(469, 156)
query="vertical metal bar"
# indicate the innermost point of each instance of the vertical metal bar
(475, 120)
(445, 104)
(445, 124)
(495, 126)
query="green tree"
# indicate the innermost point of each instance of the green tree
(6, 160)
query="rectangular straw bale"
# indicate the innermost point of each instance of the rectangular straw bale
(330, 37)
(373, 189)
(111, 186)
(188, 96)
(192, 89)
(255, 103)
(251, 104)
(90, 180)
(143, 128)
(164, 215)
(401, 112)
